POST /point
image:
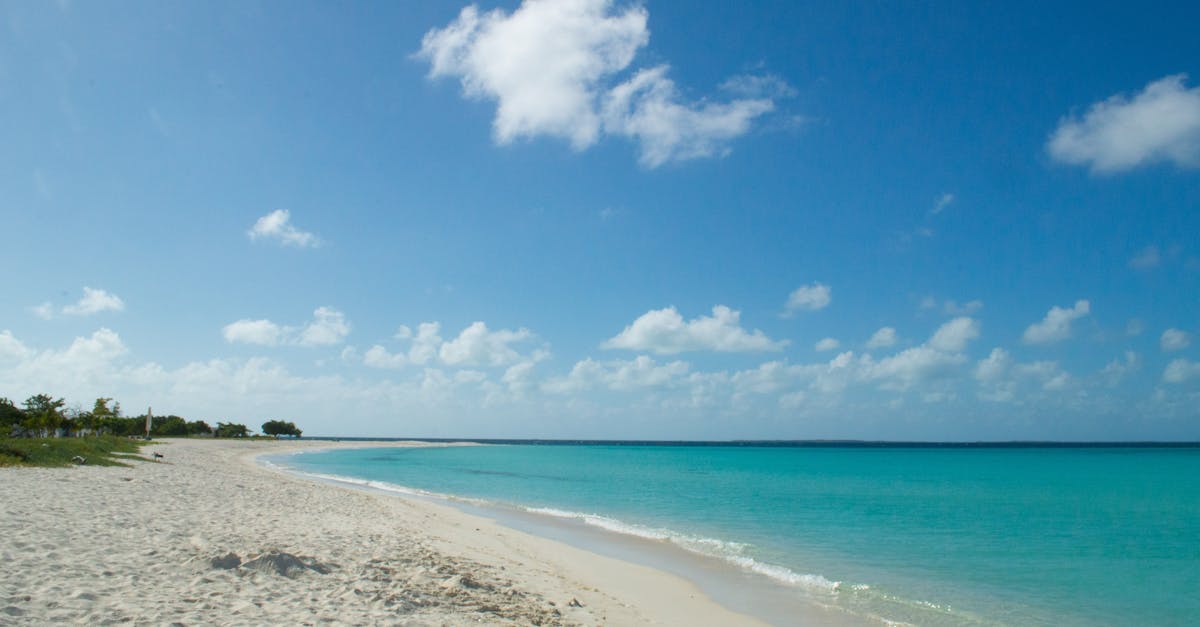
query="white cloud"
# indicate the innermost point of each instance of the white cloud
(1001, 378)
(911, 366)
(808, 297)
(425, 343)
(1146, 259)
(476, 346)
(954, 335)
(1174, 340)
(93, 301)
(1180, 370)
(549, 66)
(647, 108)
(943, 201)
(45, 311)
(245, 331)
(954, 309)
(882, 338)
(1162, 123)
(276, 225)
(994, 366)
(1116, 370)
(11, 349)
(827, 344)
(935, 359)
(664, 331)
(619, 375)
(85, 363)
(379, 357)
(1056, 326)
(328, 327)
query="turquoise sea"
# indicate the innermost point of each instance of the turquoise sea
(926, 535)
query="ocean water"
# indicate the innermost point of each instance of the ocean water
(929, 536)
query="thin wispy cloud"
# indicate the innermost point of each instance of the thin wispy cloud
(553, 69)
(1159, 124)
(943, 201)
(1148, 258)
(277, 226)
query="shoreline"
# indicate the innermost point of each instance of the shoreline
(209, 535)
(741, 588)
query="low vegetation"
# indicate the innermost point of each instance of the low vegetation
(100, 450)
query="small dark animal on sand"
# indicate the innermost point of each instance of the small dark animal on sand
(158, 456)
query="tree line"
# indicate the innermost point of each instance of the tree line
(42, 415)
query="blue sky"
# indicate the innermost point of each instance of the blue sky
(579, 218)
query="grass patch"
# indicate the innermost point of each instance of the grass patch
(102, 450)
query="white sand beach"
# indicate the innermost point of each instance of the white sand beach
(207, 536)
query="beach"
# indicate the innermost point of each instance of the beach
(207, 535)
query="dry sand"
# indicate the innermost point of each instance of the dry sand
(209, 537)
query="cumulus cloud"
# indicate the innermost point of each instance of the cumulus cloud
(246, 331)
(1159, 124)
(379, 357)
(809, 298)
(93, 301)
(277, 226)
(934, 359)
(1056, 326)
(551, 67)
(1116, 370)
(619, 375)
(11, 349)
(475, 345)
(954, 335)
(827, 344)
(663, 331)
(994, 366)
(1174, 340)
(911, 366)
(1001, 377)
(1181, 370)
(328, 327)
(882, 338)
(86, 362)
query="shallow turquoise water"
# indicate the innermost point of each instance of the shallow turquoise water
(927, 535)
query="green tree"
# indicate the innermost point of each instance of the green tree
(199, 427)
(278, 427)
(231, 430)
(43, 414)
(11, 417)
(168, 425)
